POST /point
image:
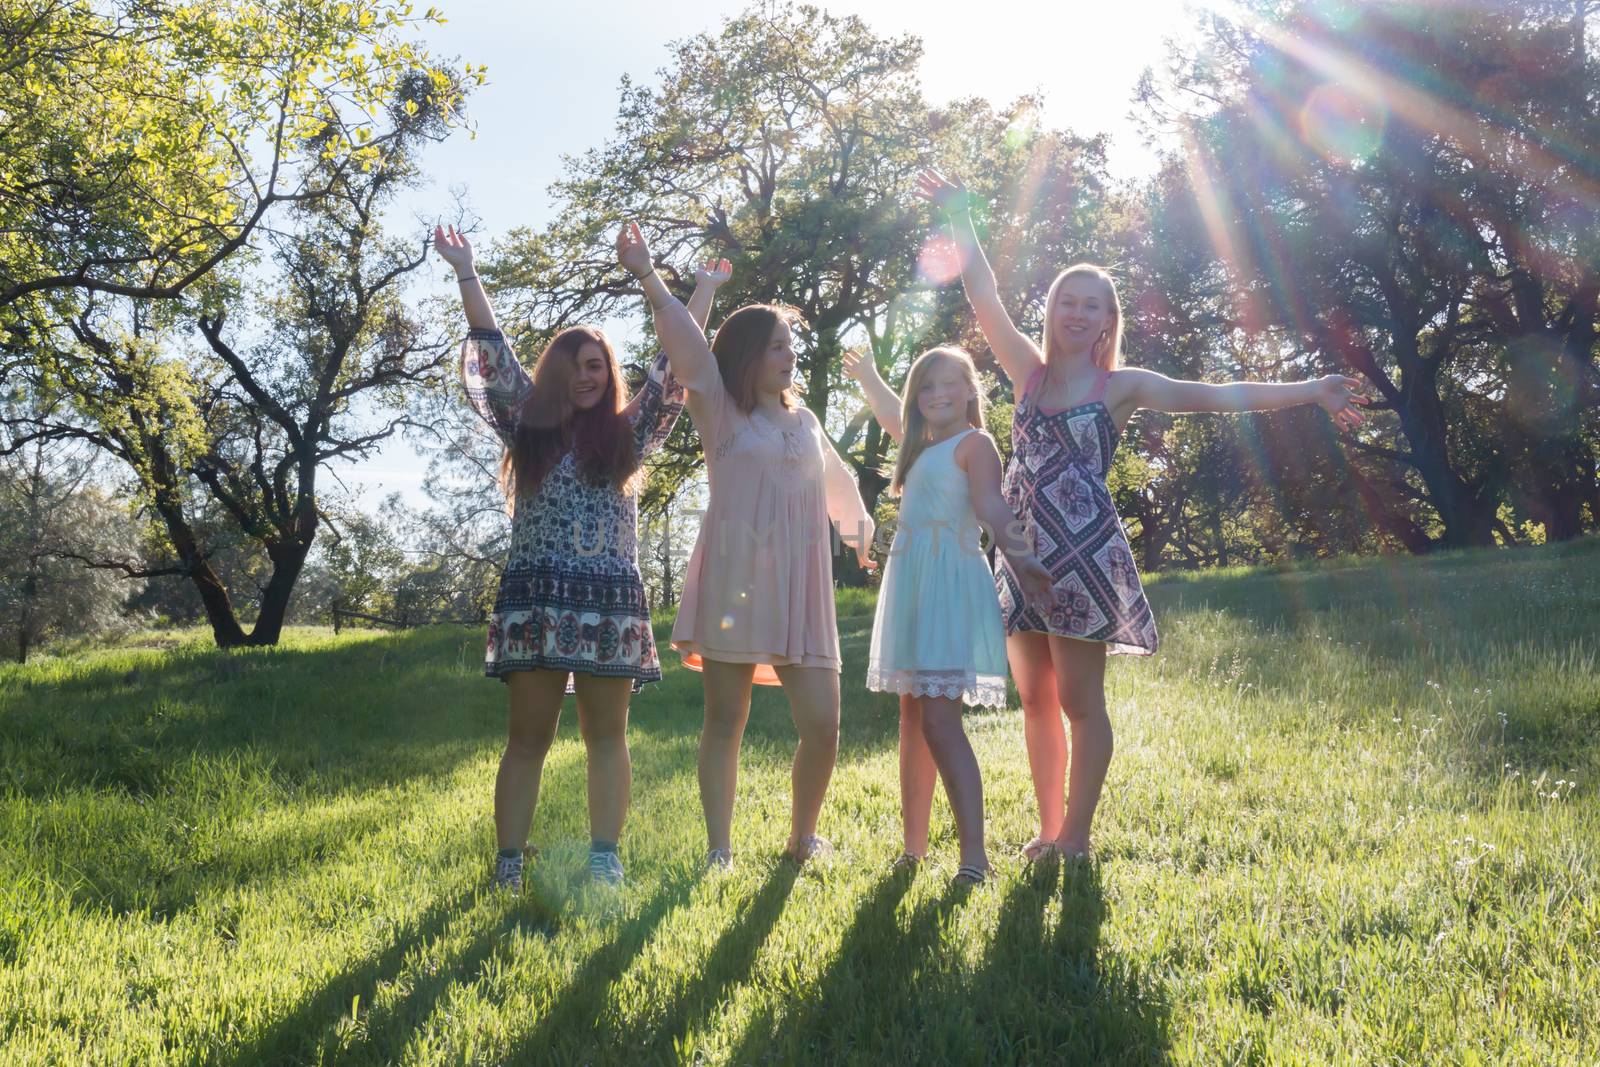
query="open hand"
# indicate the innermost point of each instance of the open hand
(453, 248)
(1038, 588)
(715, 272)
(632, 251)
(859, 366)
(1339, 397)
(946, 194)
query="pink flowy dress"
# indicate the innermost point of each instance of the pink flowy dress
(759, 585)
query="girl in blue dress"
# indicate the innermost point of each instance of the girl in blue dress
(938, 641)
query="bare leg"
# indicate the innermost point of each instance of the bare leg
(535, 698)
(1035, 675)
(918, 776)
(813, 694)
(958, 768)
(727, 689)
(1081, 678)
(603, 721)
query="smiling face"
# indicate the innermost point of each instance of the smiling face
(943, 395)
(1083, 313)
(590, 375)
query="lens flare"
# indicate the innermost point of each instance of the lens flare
(939, 262)
(1341, 124)
(1021, 130)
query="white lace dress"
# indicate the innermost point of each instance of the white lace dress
(938, 630)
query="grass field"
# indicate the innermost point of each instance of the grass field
(1352, 818)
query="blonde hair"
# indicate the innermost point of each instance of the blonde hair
(916, 436)
(1107, 351)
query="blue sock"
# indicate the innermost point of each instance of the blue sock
(510, 853)
(598, 845)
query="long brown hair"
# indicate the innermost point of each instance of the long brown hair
(916, 436)
(1107, 353)
(549, 424)
(740, 342)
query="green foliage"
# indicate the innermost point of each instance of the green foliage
(144, 142)
(52, 518)
(1406, 192)
(787, 140)
(1352, 817)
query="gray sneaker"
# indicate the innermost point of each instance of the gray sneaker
(605, 867)
(719, 859)
(508, 873)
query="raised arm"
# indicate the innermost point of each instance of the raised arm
(977, 455)
(682, 338)
(880, 398)
(456, 250)
(1018, 356)
(1134, 388)
(707, 280)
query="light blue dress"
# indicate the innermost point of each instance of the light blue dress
(938, 630)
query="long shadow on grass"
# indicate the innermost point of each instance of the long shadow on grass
(573, 1013)
(875, 961)
(311, 1026)
(901, 995)
(628, 1041)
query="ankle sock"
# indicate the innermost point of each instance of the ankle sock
(510, 853)
(597, 845)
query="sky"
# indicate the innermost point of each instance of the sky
(554, 76)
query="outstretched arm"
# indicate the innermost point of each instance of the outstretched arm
(1135, 388)
(682, 338)
(456, 250)
(880, 398)
(1018, 356)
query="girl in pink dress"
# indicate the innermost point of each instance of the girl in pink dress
(1073, 400)
(757, 604)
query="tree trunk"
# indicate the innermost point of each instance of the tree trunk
(288, 557)
(1385, 517)
(1467, 515)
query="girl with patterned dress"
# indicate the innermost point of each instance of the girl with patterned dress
(571, 615)
(757, 604)
(1073, 400)
(937, 638)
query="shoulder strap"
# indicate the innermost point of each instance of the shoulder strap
(1099, 390)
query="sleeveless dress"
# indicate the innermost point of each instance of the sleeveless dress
(938, 630)
(1056, 482)
(570, 598)
(759, 584)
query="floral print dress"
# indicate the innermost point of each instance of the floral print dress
(570, 598)
(1056, 482)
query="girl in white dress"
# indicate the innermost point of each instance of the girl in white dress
(938, 640)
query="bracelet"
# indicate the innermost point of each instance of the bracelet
(646, 274)
(468, 278)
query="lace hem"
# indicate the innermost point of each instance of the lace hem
(969, 687)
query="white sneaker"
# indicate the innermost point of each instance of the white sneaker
(606, 867)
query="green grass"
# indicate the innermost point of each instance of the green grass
(1352, 818)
